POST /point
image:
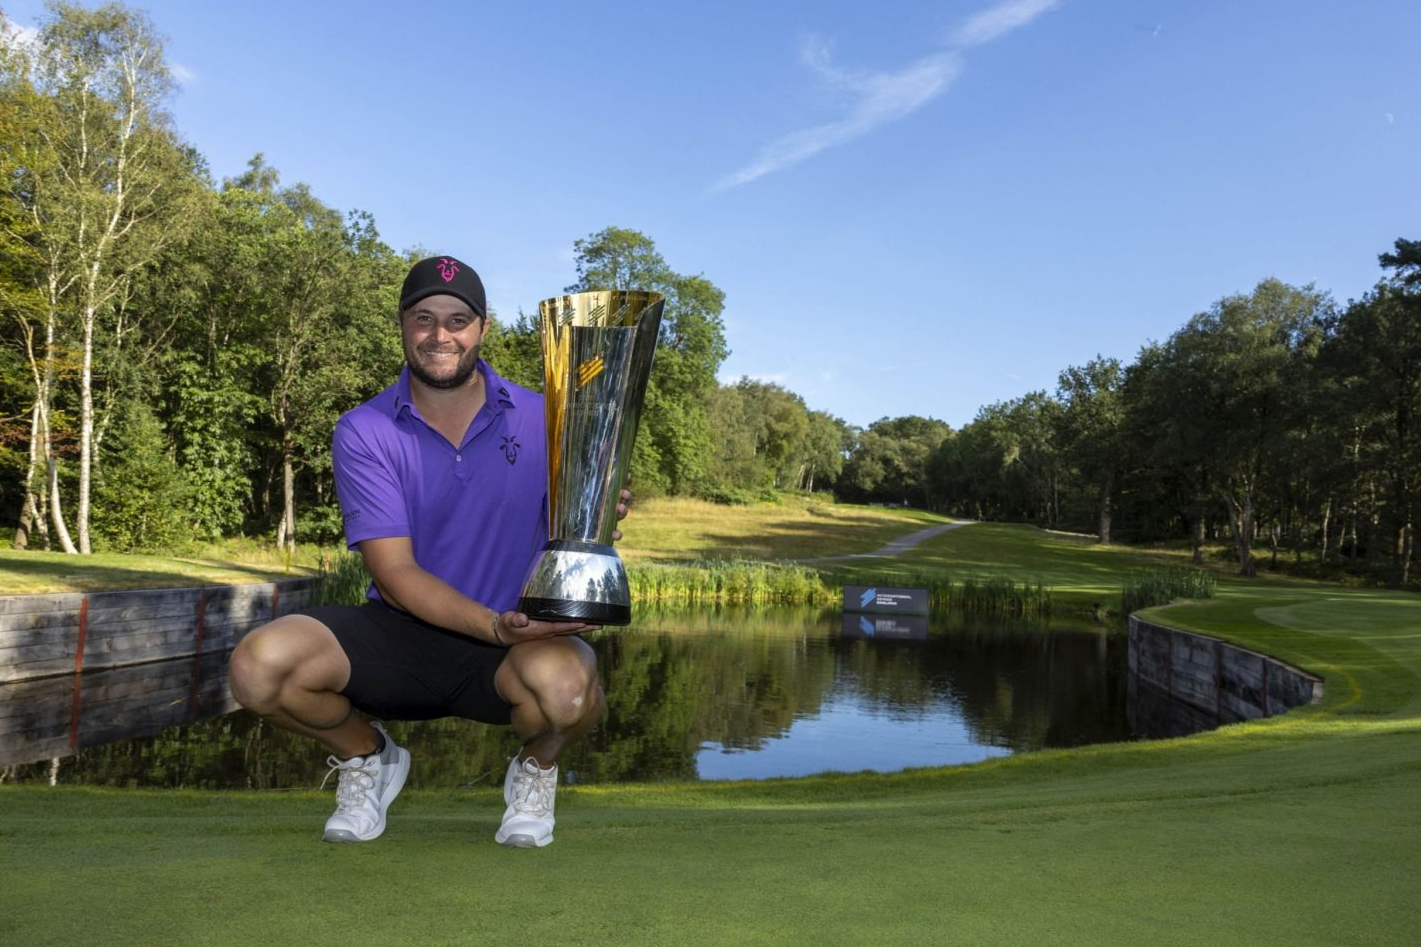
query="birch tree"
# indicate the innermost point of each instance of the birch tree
(109, 190)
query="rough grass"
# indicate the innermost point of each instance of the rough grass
(29, 572)
(676, 529)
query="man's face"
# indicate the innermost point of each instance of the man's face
(441, 337)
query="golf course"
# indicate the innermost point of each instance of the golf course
(1300, 829)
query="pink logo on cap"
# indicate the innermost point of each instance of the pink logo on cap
(447, 269)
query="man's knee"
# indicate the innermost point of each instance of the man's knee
(562, 676)
(265, 661)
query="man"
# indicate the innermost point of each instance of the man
(442, 480)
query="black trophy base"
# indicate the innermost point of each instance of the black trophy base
(559, 609)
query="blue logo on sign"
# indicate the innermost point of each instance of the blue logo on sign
(866, 626)
(866, 599)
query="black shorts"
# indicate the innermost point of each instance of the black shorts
(402, 668)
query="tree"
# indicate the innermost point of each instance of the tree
(22, 303)
(675, 441)
(1405, 259)
(889, 464)
(141, 491)
(108, 190)
(735, 461)
(299, 326)
(1228, 377)
(1376, 354)
(515, 351)
(1092, 417)
(826, 447)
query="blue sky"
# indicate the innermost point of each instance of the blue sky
(912, 207)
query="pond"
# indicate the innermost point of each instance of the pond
(712, 694)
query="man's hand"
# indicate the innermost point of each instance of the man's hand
(515, 627)
(622, 509)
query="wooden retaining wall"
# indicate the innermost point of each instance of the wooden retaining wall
(71, 632)
(1212, 680)
(48, 717)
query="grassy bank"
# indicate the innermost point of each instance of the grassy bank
(1303, 829)
(675, 529)
(30, 572)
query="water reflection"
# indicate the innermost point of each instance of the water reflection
(706, 694)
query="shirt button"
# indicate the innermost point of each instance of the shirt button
(458, 458)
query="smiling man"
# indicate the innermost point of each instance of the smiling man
(442, 480)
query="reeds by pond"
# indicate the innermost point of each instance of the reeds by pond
(1162, 586)
(995, 597)
(991, 596)
(730, 583)
(342, 579)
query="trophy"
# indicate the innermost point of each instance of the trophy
(597, 351)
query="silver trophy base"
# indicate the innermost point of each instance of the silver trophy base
(578, 581)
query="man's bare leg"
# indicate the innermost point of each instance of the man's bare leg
(556, 696)
(291, 672)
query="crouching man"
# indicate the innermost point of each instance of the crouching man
(442, 480)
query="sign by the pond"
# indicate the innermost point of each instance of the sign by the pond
(885, 627)
(881, 598)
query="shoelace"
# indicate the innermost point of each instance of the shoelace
(354, 781)
(532, 793)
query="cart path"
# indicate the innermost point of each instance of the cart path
(898, 546)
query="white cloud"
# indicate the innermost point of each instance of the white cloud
(877, 98)
(182, 74)
(1001, 19)
(1390, 118)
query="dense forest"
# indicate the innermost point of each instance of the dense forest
(174, 352)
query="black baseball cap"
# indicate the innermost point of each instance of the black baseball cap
(444, 274)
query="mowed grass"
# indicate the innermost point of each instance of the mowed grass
(1303, 829)
(1300, 831)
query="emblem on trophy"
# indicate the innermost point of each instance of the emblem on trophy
(597, 353)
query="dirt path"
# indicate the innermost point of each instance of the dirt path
(900, 545)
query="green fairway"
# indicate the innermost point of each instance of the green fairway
(1292, 833)
(1302, 829)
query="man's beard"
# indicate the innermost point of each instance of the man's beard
(463, 371)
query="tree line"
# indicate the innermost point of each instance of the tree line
(1276, 420)
(174, 352)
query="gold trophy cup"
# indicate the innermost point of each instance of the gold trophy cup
(597, 353)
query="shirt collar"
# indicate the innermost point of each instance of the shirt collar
(498, 394)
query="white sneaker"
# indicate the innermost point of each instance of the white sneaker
(367, 786)
(530, 793)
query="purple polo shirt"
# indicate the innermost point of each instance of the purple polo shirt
(476, 514)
